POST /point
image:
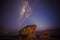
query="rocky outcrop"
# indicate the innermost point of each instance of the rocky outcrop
(27, 33)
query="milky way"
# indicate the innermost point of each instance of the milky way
(18, 13)
(24, 12)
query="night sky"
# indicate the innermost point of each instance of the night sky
(44, 13)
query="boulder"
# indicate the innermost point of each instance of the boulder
(28, 32)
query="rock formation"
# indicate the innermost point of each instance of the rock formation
(28, 33)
